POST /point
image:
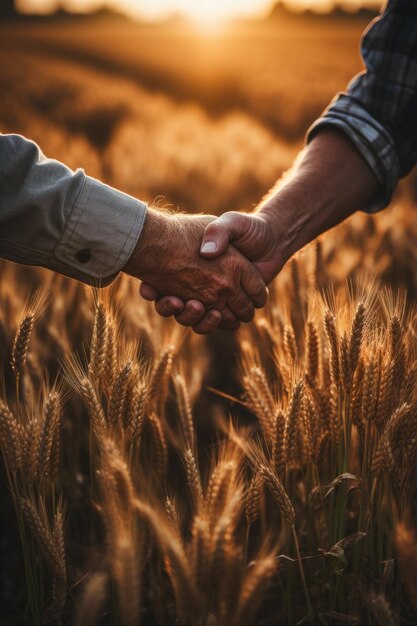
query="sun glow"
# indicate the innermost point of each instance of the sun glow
(214, 12)
(210, 13)
(204, 12)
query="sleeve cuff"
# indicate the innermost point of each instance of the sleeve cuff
(100, 235)
(371, 139)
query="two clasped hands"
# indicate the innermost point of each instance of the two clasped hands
(213, 273)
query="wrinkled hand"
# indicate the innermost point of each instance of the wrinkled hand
(251, 234)
(167, 260)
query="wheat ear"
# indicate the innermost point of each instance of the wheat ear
(312, 351)
(193, 478)
(117, 404)
(253, 499)
(278, 492)
(10, 439)
(21, 343)
(99, 343)
(330, 326)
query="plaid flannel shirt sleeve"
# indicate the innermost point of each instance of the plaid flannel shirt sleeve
(379, 110)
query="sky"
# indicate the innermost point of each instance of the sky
(201, 10)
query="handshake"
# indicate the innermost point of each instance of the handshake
(209, 273)
(213, 273)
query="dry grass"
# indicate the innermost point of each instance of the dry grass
(226, 528)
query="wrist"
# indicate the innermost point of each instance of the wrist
(149, 251)
(288, 222)
(328, 183)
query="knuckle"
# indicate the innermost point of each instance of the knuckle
(231, 216)
(256, 289)
(248, 314)
(194, 309)
(214, 228)
(254, 282)
(206, 326)
(163, 309)
(187, 319)
(222, 285)
(229, 317)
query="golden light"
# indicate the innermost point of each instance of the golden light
(207, 13)
(212, 12)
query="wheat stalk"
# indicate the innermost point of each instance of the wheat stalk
(407, 550)
(125, 568)
(185, 411)
(92, 601)
(256, 581)
(356, 336)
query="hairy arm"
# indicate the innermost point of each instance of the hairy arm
(358, 149)
(329, 181)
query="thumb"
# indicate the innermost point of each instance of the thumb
(225, 229)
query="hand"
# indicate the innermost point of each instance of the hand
(252, 235)
(329, 181)
(167, 259)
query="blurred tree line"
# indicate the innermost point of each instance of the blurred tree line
(7, 8)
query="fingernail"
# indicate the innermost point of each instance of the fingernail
(209, 246)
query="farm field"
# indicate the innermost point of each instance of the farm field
(154, 477)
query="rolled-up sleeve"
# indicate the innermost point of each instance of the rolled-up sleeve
(379, 110)
(63, 220)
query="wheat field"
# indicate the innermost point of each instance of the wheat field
(154, 477)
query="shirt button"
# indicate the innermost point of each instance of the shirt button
(84, 256)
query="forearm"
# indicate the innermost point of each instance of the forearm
(329, 181)
(60, 219)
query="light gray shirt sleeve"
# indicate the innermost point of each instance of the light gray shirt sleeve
(63, 220)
